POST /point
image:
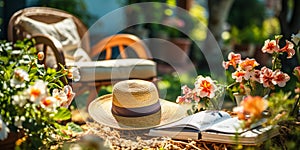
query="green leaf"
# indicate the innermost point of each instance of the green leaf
(4, 59)
(74, 127)
(59, 126)
(62, 114)
(278, 37)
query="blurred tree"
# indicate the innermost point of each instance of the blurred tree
(218, 13)
(246, 24)
(289, 17)
(76, 7)
(242, 15)
(7, 9)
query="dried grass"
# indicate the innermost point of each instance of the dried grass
(118, 139)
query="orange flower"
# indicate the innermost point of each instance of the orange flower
(205, 87)
(270, 46)
(233, 58)
(288, 48)
(248, 64)
(240, 112)
(239, 75)
(254, 106)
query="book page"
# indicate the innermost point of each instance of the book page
(199, 121)
(250, 137)
(233, 125)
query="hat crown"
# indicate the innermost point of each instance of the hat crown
(134, 105)
(134, 94)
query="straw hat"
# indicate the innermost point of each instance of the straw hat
(134, 105)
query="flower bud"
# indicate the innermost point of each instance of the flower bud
(40, 56)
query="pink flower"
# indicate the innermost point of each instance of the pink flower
(297, 72)
(205, 87)
(270, 46)
(180, 99)
(233, 58)
(288, 48)
(186, 90)
(64, 97)
(266, 77)
(196, 98)
(280, 78)
(255, 76)
(248, 64)
(297, 90)
(70, 95)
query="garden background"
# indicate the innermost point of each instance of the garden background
(234, 24)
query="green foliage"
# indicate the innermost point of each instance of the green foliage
(171, 84)
(62, 114)
(23, 108)
(246, 24)
(251, 34)
(246, 13)
(74, 127)
(280, 105)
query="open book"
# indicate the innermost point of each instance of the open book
(214, 126)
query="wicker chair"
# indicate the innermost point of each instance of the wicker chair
(40, 23)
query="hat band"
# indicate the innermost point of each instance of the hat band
(136, 112)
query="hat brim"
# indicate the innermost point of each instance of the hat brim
(100, 111)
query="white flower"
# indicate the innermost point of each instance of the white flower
(296, 38)
(38, 91)
(49, 103)
(73, 73)
(19, 99)
(16, 52)
(4, 130)
(19, 77)
(19, 121)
